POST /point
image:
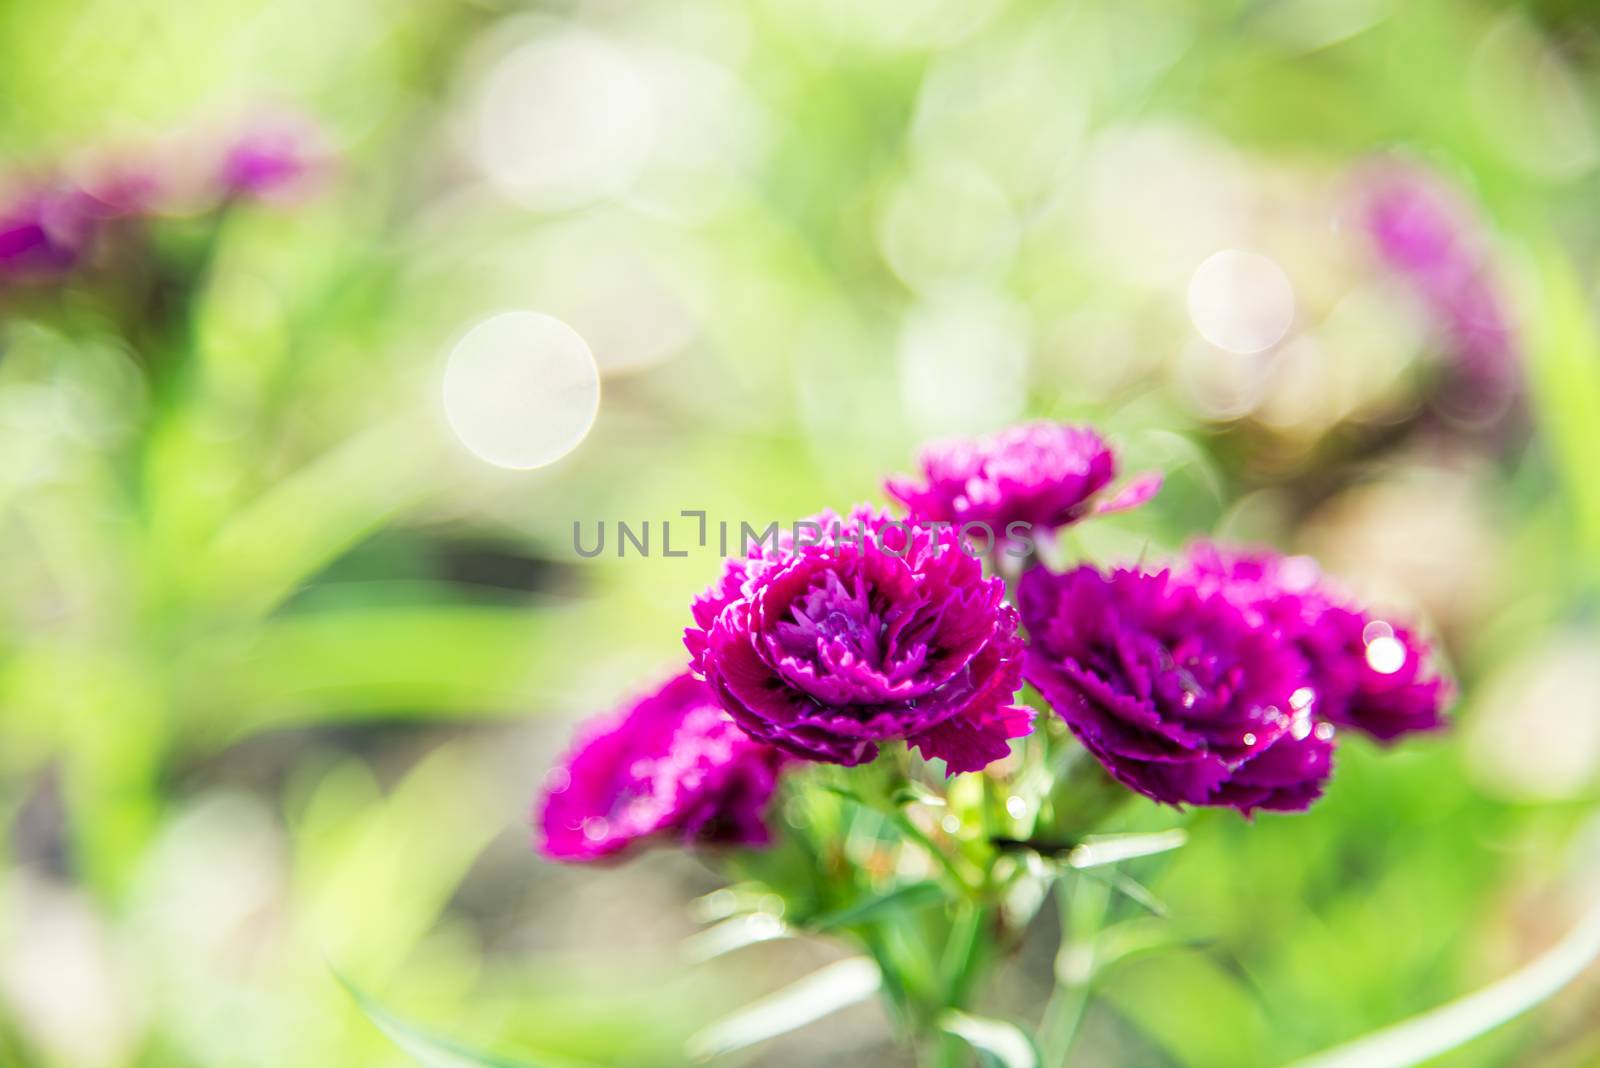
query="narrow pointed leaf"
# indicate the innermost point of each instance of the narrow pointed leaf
(1133, 939)
(908, 897)
(434, 1051)
(445, 659)
(1101, 850)
(735, 932)
(835, 987)
(1001, 1043)
(305, 520)
(917, 793)
(1132, 889)
(1422, 1038)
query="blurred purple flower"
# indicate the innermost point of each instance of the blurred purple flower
(50, 227)
(1365, 672)
(873, 630)
(1181, 695)
(670, 764)
(131, 190)
(1428, 236)
(273, 159)
(1046, 475)
(45, 232)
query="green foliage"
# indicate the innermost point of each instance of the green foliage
(281, 664)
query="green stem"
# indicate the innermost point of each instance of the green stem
(965, 953)
(1083, 911)
(942, 1051)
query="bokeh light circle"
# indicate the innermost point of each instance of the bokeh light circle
(1241, 301)
(564, 120)
(521, 389)
(1386, 655)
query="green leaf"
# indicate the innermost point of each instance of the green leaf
(1133, 939)
(1422, 1038)
(844, 792)
(966, 951)
(1100, 850)
(418, 841)
(1132, 889)
(999, 1042)
(1564, 372)
(916, 793)
(835, 987)
(349, 663)
(908, 897)
(305, 520)
(431, 1050)
(735, 932)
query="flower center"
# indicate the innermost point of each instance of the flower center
(840, 625)
(834, 615)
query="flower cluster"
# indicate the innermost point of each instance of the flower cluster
(1221, 680)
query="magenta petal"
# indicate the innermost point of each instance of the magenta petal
(1287, 777)
(669, 765)
(1139, 490)
(971, 743)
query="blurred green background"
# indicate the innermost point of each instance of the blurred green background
(283, 659)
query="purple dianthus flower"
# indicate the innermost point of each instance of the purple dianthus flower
(45, 232)
(1365, 672)
(1425, 234)
(274, 158)
(670, 764)
(1180, 694)
(1045, 475)
(873, 630)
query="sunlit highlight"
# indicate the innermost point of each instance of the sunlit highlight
(1241, 301)
(521, 390)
